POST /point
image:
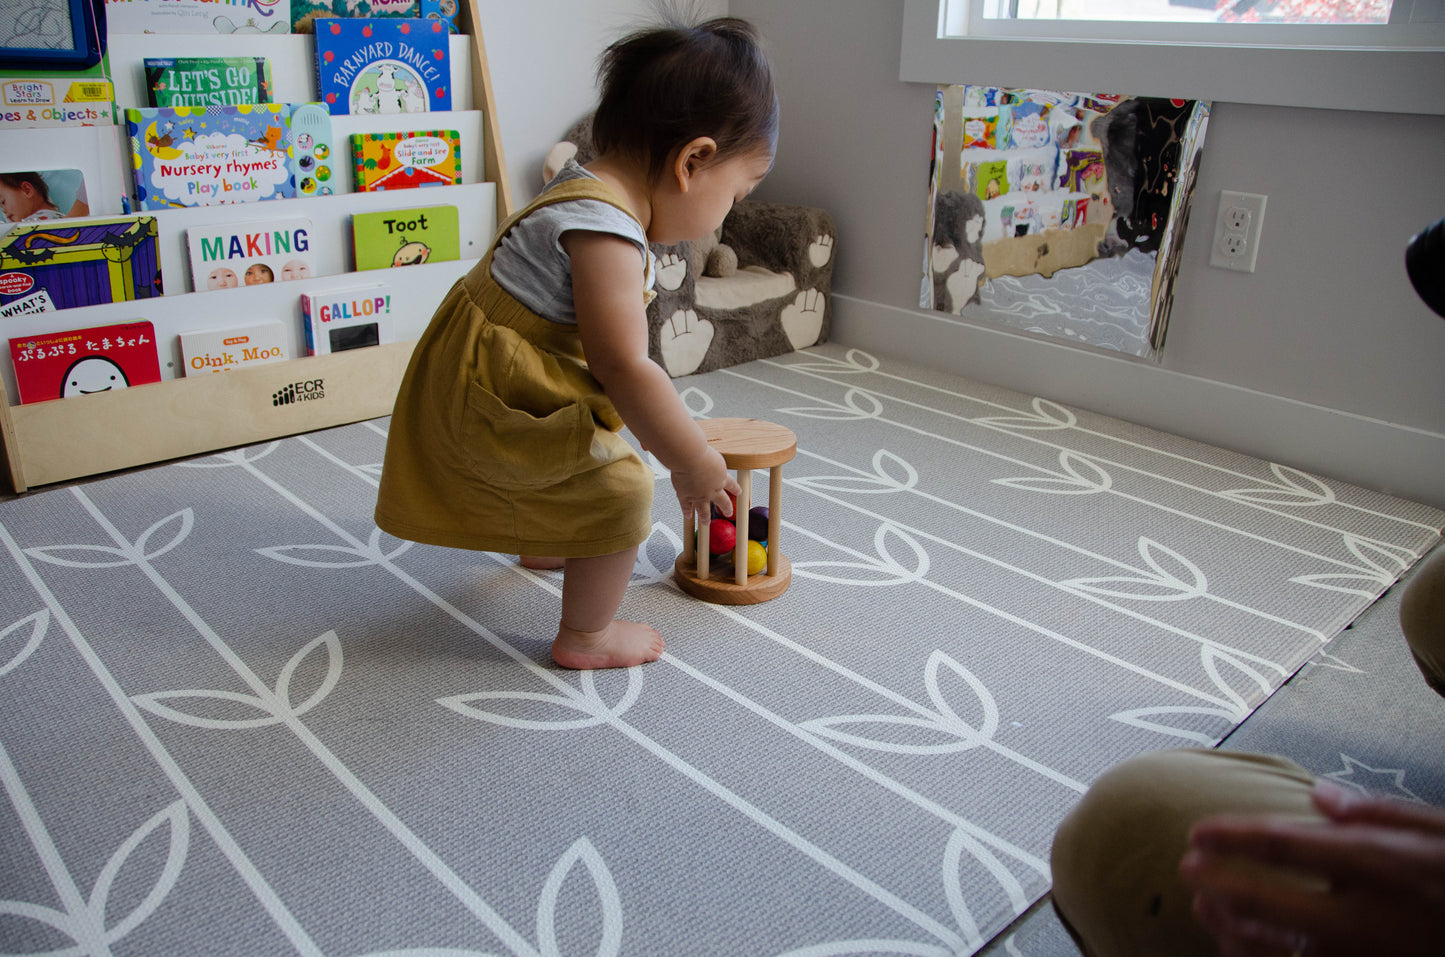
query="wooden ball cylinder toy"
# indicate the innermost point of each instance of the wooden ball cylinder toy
(745, 445)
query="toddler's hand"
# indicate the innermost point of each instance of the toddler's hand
(706, 483)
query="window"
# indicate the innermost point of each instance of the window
(1213, 50)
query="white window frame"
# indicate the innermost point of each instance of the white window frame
(1403, 72)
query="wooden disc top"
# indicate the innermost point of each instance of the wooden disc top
(750, 443)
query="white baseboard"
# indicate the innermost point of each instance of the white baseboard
(1398, 460)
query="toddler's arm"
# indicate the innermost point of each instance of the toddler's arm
(607, 287)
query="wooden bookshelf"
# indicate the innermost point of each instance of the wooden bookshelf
(63, 439)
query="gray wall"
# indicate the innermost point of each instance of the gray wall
(1323, 358)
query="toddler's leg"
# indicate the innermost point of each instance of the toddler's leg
(540, 564)
(590, 636)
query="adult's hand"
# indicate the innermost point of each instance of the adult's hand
(1370, 879)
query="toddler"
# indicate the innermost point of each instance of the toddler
(505, 433)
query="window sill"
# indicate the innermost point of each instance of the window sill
(1375, 80)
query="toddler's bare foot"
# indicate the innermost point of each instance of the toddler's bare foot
(541, 564)
(621, 644)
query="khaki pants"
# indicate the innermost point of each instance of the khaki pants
(1116, 856)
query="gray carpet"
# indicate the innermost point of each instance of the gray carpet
(236, 719)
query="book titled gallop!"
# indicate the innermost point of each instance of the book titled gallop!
(383, 65)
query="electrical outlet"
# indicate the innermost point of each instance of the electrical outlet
(1236, 231)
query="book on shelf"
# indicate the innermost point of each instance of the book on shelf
(80, 262)
(406, 237)
(251, 253)
(186, 156)
(198, 16)
(207, 80)
(406, 160)
(36, 196)
(305, 13)
(221, 350)
(33, 99)
(78, 362)
(347, 317)
(383, 66)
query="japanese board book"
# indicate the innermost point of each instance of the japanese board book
(348, 317)
(80, 262)
(252, 253)
(383, 65)
(62, 365)
(208, 81)
(406, 237)
(385, 161)
(220, 350)
(210, 155)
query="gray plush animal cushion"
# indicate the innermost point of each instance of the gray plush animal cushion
(759, 288)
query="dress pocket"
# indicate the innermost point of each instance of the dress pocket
(513, 449)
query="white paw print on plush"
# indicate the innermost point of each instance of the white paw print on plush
(758, 287)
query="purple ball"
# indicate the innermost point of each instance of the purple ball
(758, 523)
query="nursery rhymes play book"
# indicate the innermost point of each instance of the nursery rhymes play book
(347, 318)
(229, 255)
(198, 16)
(406, 237)
(220, 350)
(81, 262)
(406, 160)
(61, 365)
(210, 155)
(383, 65)
(208, 81)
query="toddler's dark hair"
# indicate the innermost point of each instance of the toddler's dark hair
(16, 180)
(665, 86)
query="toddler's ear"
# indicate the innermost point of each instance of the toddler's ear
(694, 156)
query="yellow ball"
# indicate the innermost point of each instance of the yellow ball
(757, 557)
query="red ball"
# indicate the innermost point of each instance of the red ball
(722, 535)
(717, 512)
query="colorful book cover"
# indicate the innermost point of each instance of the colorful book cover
(347, 318)
(230, 255)
(305, 13)
(81, 262)
(37, 98)
(210, 155)
(406, 237)
(32, 196)
(383, 65)
(62, 365)
(220, 350)
(198, 16)
(385, 161)
(208, 81)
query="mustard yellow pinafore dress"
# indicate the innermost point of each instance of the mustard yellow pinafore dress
(501, 439)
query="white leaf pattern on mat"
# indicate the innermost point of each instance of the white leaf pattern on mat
(857, 404)
(883, 484)
(886, 571)
(1233, 708)
(371, 554)
(429, 952)
(1081, 476)
(127, 554)
(222, 460)
(646, 570)
(1294, 488)
(274, 707)
(610, 902)
(698, 402)
(1361, 777)
(1157, 583)
(946, 731)
(1381, 566)
(589, 703)
(16, 637)
(858, 948)
(1048, 417)
(854, 361)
